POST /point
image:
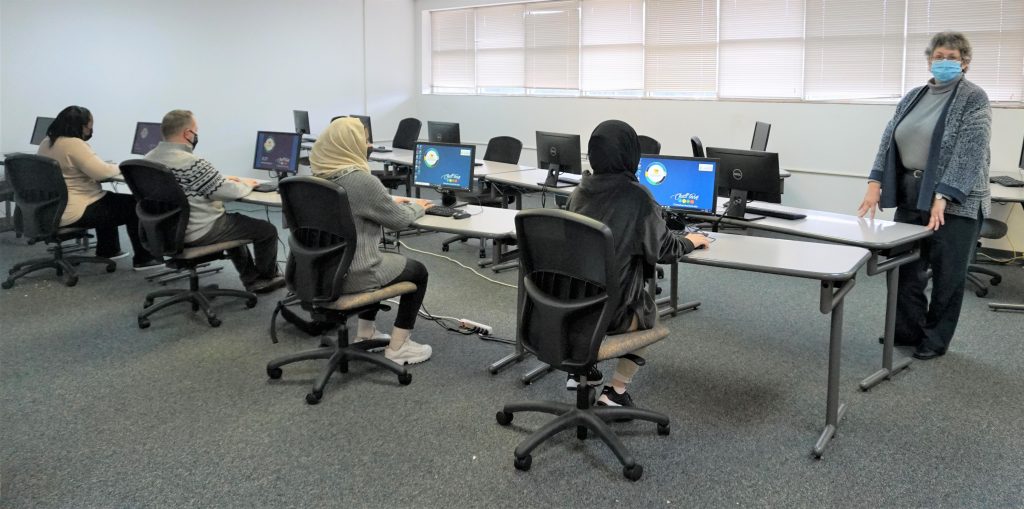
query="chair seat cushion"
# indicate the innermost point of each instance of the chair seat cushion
(992, 229)
(190, 253)
(618, 345)
(363, 299)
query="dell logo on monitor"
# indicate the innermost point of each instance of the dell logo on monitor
(737, 174)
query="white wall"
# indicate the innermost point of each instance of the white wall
(241, 66)
(828, 147)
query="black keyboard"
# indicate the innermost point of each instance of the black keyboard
(570, 179)
(440, 210)
(266, 187)
(781, 214)
(380, 149)
(1005, 181)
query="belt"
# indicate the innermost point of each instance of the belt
(914, 173)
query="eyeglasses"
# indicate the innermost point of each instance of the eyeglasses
(951, 59)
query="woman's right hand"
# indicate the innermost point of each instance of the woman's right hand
(871, 199)
(700, 241)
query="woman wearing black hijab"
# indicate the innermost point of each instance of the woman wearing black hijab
(613, 196)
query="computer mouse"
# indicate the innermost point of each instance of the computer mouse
(460, 214)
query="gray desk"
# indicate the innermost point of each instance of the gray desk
(526, 181)
(1007, 195)
(891, 244)
(492, 223)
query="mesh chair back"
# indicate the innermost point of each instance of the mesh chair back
(39, 193)
(696, 146)
(649, 145)
(503, 149)
(323, 237)
(407, 134)
(568, 288)
(160, 204)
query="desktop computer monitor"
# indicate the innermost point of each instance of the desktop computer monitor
(147, 137)
(443, 132)
(559, 153)
(680, 183)
(760, 140)
(277, 152)
(1021, 163)
(369, 128)
(445, 167)
(301, 121)
(745, 175)
(39, 131)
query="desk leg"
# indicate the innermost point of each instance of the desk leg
(834, 410)
(996, 306)
(888, 369)
(507, 360)
(673, 296)
(536, 373)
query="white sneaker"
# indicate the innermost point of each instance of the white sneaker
(377, 336)
(411, 352)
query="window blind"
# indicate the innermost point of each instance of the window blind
(612, 46)
(760, 49)
(681, 48)
(452, 59)
(500, 49)
(552, 46)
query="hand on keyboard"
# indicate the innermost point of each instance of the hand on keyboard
(440, 210)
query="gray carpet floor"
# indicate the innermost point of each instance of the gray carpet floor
(97, 413)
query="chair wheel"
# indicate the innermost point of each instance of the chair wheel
(483, 254)
(981, 292)
(503, 418)
(664, 429)
(143, 323)
(146, 303)
(250, 303)
(523, 463)
(112, 267)
(314, 397)
(405, 378)
(195, 307)
(7, 284)
(581, 432)
(633, 473)
(72, 281)
(273, 373)
(444, 248)
(214, 321)
(995, 280)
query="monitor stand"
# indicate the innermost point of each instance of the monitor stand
(552, 178)
(448, 199)
(737, 206)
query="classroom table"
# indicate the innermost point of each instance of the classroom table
(1004, 194)
(492, 223)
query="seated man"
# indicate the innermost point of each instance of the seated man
(206, 190)
(642, 239)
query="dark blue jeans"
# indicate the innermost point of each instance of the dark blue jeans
(947, 252)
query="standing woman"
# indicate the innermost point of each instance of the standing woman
(339, 155)
(932, 165)
(89, 206)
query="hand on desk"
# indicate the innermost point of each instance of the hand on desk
(699, 240)
(426, 204)
(244, 181)
(871, 198)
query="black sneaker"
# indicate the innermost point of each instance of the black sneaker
(611, 398)
(594, 378)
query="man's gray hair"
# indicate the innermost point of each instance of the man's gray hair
(951, 40)
(174, 122)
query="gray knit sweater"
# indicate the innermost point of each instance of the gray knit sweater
(958, 159)
(373, 207)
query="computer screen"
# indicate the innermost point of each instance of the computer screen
(39, 131)
(682, 183)
(445, 166)
(559, 151)
(278, 152)
(301, 121)
(760, 140)
(366, 125)
(147, 137)
(443, 132)
(745, 175)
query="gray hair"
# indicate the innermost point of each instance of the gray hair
(174, 122)
(951, 40)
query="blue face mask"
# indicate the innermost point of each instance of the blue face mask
(945, 70)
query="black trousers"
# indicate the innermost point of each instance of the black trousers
(232, 226)
(408, 304)
(105, 215)
(947, 252)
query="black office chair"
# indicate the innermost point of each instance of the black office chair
(501, 149)
(322, 245)
(41, 196)
(163, 212)
(696, 146)
(990, 229)
(7, 196)
(405, 138)
(565, 302)
(649, 145)
(760, 139)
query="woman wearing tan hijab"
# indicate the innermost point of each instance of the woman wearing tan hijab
(339, 155)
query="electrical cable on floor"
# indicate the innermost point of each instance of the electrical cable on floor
(471, 269)
(443, 322)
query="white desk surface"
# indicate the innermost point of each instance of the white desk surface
(812, 260)
(1007, 194)
(486, 222)
(529, 180)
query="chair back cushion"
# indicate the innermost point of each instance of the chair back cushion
(504, 149)
(568, 288)
(161, 205)
(649, 145)
(696, 146)
(39, 193)
(323, 237)
(407, 134)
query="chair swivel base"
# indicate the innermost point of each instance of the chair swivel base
(446, 245)
(982, 289)
(584, 418)
(338, 359)
(199, 298)
(64, 265)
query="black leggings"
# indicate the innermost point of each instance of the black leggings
(105, 215)
(408, 304)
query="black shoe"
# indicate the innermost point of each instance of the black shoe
(152, 263)
(266, 285)
(594, 378)
(611, 398)
(900, 341)
(924, 353)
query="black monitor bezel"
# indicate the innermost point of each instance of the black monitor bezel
(365, 119)
(35, 128)
(442, 188)
(293, 169)
(769, 187)
(576, 168)
(302, 115)
(447, 127)
(714, 202)
(135, 138)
